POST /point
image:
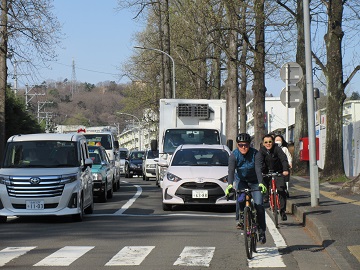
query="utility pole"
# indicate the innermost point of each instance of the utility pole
(73, 79)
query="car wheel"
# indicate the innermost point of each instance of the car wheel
(80, 216)
(103, 197)
(167, 207)
(143, 176)
(3, 219)
(118, 185)
(110, 192)
(90, 208)
(131, 175)
(127, 175)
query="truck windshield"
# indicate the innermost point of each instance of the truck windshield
(175, 137)
(99, 139)
(37, 154)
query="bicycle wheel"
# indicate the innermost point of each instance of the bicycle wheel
(248, 232)
(275, 210)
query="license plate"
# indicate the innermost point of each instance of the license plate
(200, 194)
(34, 205)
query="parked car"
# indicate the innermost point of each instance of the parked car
(197, 174)
(120, 159)
(46, 175)
(133, 164)
(103, 172)
(149, 164)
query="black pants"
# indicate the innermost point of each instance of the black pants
(281, 189)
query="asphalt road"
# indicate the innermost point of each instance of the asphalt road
(132, 231)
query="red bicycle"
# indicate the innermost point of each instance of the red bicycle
(274, 199)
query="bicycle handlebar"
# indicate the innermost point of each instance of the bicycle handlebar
(272, 174)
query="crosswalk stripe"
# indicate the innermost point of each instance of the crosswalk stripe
(10, 253)
(195, 256)
(64, 256)
(266, 257)
(133, 255)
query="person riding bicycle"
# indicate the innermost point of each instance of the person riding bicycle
(271, 157)
(242, 161)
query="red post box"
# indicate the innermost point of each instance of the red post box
(304, 149)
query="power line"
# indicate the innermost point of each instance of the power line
(95, 71)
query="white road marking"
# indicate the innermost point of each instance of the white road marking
(133, 255)
(266, 257)
(196, 256)
(10, 253)
(278, 239)
(64, 256)
(129, 202)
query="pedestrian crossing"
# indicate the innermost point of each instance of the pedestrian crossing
(200, 256)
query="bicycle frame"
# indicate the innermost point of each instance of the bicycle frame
(274, 199)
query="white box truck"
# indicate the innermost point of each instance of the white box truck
(188, 121)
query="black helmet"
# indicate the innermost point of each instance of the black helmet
(243, 137)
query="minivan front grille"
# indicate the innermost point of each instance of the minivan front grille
(35, 187)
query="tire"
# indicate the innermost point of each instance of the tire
(275, 211)
(90, 208)
(3, 219)
(147, 178)
(118, 185)
(103, 197)
(80, 216)
(143, 176)
(131, 175)
(167, 207)
(110, 192)
(127, 174)
(248, 232)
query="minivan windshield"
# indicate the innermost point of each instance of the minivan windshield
(41, 154)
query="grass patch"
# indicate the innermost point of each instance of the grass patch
(335, 179)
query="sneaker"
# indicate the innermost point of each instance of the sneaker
(240, 226)
(283, 216)
(262, 238)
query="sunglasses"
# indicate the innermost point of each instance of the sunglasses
(268, 142)
(241, 145)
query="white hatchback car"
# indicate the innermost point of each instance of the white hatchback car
(197, 174)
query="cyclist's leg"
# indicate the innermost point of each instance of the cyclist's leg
(258, 200)
(267, 184)
(236, 186)
(241, 205)
(281, 188)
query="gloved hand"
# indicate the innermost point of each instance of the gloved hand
(263, 188)
(228, 189)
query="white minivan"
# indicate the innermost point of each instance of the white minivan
(46, 174)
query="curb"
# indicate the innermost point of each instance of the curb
(319, 231)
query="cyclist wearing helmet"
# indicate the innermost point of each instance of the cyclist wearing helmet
(241, 174)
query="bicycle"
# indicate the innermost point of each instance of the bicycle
(250, 221)
(274, 199)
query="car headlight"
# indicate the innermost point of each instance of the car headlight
(173, 177)
(97, 176)
(5, 180)
(224, 179)
(66, 179)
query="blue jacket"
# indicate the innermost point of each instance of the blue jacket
(244, 166)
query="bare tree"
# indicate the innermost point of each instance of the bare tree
(30, 32)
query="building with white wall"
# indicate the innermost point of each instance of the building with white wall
(275, 113)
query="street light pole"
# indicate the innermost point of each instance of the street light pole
(139, 129)
(173, 64)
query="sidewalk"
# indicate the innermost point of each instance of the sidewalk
(334, 223)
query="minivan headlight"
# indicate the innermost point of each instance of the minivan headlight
(5, 180)
(66, 179)
(172, 177)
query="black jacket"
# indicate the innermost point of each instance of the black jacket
(270, 160)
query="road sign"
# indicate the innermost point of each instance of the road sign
(294, 94)
(295, 72)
